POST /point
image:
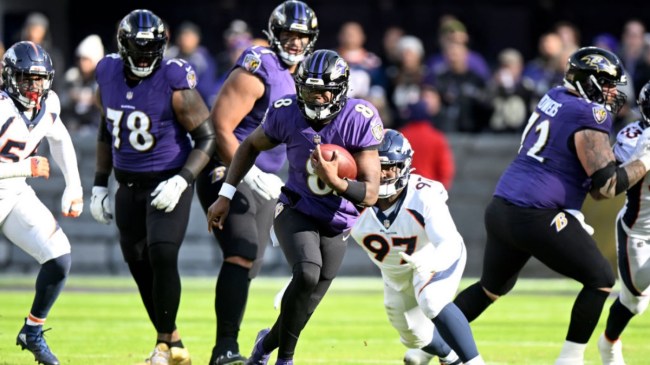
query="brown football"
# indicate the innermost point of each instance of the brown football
(347, 165)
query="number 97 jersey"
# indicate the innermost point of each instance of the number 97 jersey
(419, 221)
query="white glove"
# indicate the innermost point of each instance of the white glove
(72, 202)
(421, 264)
(168, 192)
(642, 149)
(265, 184)
(100, 205)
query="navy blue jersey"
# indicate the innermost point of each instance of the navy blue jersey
(547, 172)
(278, 81)
(145, 135)
(357, 127)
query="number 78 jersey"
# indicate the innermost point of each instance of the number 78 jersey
(420, 222)
(547, 173)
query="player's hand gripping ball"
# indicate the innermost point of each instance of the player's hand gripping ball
(347, 167)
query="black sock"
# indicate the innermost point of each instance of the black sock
(49, 284)
(231, 295)
(472, 301)
(178, 343)
(585, 314)
(619, 317)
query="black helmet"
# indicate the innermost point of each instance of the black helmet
(644, 103)
(141, 41)
(395, 150)
(591, 68)
(292, 16)
(26, 59)
(323, 70)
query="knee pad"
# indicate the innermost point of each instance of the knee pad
(635, 304)
(306, 275)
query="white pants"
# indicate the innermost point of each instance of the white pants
(634, 271)
(32, 227)
(411, 310)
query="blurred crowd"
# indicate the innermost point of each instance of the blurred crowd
(454, 90)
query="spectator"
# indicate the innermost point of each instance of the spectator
(365, 66)
(511, 98)
(542, 73)
(433, 157)
(187, 45)
(569, 34)
(78, 107)
(37, 29)
(450, 31)
(463, 92)
(632, 52)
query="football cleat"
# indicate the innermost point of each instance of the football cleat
(284, 362)
(32, 339)
(229, 358)
(610, 353)
(159, 356)
(179, 356)
(417, 357)
(258, 356)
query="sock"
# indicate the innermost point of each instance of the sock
(49, 284)
(454, 328)
(472, 301)
(437, 346)
(231, 295)
(619, 317)
(143, 277)
(585, 314)
(166, 284)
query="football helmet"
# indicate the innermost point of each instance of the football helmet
(20, 63)
(395, 150)
(589, 69)
(141, 40)
(321, 71)
(644, 103)
(292, 16)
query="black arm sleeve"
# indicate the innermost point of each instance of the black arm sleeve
(355, 192)
(602, 176)
(205, 144)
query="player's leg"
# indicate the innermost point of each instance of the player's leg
(501, 260)
(242, 241)
(31, 226)
(633, 261)
(165, 234)
(562, 244)
(435, 300)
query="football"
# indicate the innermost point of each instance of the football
(347, 165)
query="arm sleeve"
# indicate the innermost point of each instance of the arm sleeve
(441, 229)
(63, 153)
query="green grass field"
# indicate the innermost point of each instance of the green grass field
(101, 321)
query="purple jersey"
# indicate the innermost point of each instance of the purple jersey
(278, 82)
(145, 134)
(547, 172)
(357, 127)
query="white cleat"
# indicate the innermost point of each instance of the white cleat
(417, 357)
(610, 353)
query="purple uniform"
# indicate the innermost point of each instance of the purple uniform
(265, 64)
(145, 136)
(547, 172)
(356, 127)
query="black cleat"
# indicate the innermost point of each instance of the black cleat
(32, 339)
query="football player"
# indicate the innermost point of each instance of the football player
(565, 153)
(410, 235)
(316, 208)
(29, 112)
(150, 109)
(260, 76)
(632, 241)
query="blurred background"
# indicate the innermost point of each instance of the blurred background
(459, 78)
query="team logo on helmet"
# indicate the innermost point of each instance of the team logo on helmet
(339, 69)
(600, 63)
(600, 114)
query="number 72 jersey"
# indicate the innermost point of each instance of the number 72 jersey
(547, 173)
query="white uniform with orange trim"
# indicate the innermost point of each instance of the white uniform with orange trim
(419, 224)
(24, 219)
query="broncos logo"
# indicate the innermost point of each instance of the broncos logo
(601, 64)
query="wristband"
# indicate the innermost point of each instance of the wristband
(355, 192)
(101, 179)
(227, 191)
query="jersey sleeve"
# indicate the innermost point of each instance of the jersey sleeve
(272, 128)
(255, 60)
(180, 74)
(626, 142)
(594, 116)
(368, 131)
(438, 223)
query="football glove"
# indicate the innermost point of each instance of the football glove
(72, 202)
(168, 192)
(421, 264)
(263, 183)
(100, 205)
